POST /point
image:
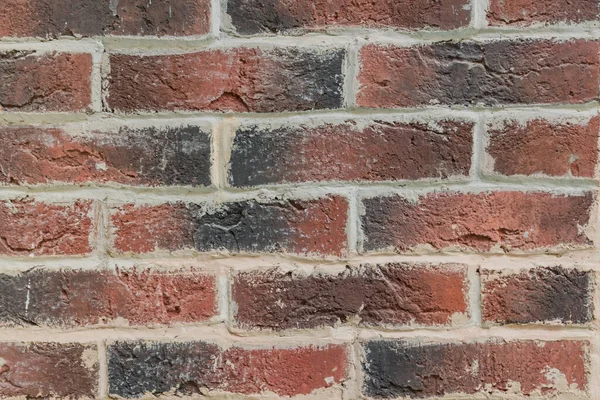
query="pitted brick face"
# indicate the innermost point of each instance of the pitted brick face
(408, 369)
(48, 370)
(470, 73)
(54, 18)
(381, 151)
(240, 80)
(552, 294)
(507, 221)
(373, 295)
(280, 16)
(530, 12)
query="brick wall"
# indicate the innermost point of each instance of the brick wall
(299, 198)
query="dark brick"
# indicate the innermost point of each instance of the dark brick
(470, 73)
(53, 18)
(297, 226)
(144, 156)
(538, 295)
(529, 12)
(47, 82)
(373, 294)
(278, 16)
(242, 79)
(345, 152)
(187, 368)
(48, 370)
(409, 369)
(505, 220)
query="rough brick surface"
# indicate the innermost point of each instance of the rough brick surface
(187, 368)
(529, 12)
(243, 79)
(296, 226)
(135, 156)
(391, 294)
(48, 370)
(45, 82)
(538, 295)
(470, 73)
(276, 16)
(396, 369)
(524, 149)
(78, 298)
(498, 220)
(37, 228)
(52, 18)
(379, 151)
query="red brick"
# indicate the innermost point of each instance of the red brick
(471, 73)
(184, 368)
(540, 146)
(46, 82)
(528, 368)
(28, 227)
(53, 18)
(48, 370)
(391, 294)
(145, 156)
(279, 16)
(242, 79)
(295, 226)
(505, 220)
(552, 294)
(379, 151)
(529, 12)
(79, 298)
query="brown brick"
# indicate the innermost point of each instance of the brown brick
(295, 226)
(279, 16)
(470, 73)
(48, 370)
(529, 12)
(392, 294)
(53, 18)
(28, 227)
(537, 295)
(145, 156)
(186, 368)
(78, 298)
(410, 369)
(47, 82)
(544, 147)
(242, 79)
(380, 151)
(505, 220)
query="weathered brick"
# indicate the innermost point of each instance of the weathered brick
(537, 295)
(470, 73)
(242, 79)
(529, 12)
(483, 221)
(136, 156)
(392, 294)
(37, 228)
(277, 16)
(296, 226)
(45, 82)
(410, 369)
(379, 151)
(53, 18)
(186, 368)
(524, 149)
(48, 370)
(79, 298)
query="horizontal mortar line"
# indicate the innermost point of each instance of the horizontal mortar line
(220, 334)
(433, 112)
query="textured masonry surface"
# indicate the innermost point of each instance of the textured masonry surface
(305, 199)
